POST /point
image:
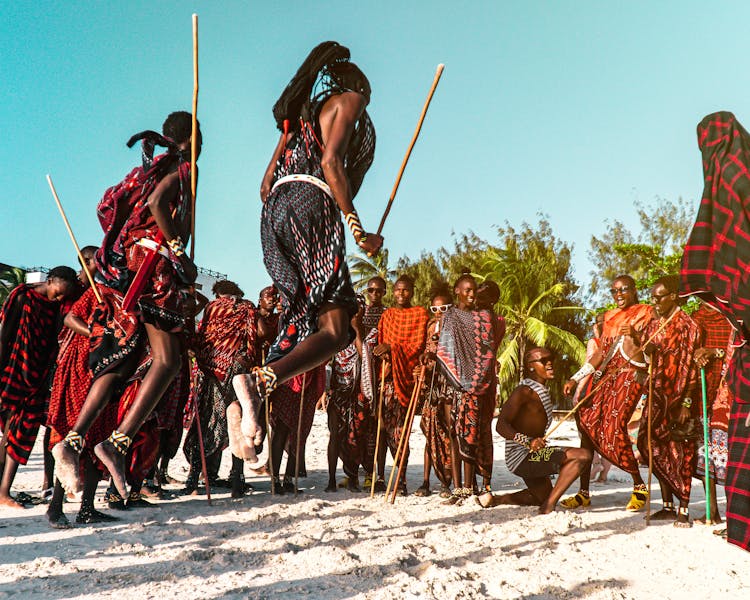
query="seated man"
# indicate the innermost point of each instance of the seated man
(522, 422)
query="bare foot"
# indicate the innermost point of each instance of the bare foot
(665, 514)
(66, 467)
(353, 485)
(9, 502)
(332, 487)
(57, 520)
(546, 508)
(240, 446)
(715, 520)
(484, 500)
(247, 394)
(683, 522)
(114, 461)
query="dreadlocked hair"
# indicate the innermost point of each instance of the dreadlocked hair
(296, 94)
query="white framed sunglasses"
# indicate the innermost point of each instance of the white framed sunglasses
(443, 308)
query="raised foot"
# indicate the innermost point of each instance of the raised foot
(238, 443)
(114, 462)
(249, 398)
(66, 467)
(57, 520)
(484, 500)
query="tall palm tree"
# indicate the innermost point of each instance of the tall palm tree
(363, 268)
(535, 301)
(10, 277)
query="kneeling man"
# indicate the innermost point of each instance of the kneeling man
(523, 421)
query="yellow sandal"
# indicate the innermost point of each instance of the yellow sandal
(577, 501)
(637, 501)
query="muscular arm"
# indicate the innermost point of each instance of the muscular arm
(77, 324)
(511, 413)
(265, 186)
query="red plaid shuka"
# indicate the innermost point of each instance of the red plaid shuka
(674, 378)
(405, 330)
(716, 333)
(30, 324)
(716, 266)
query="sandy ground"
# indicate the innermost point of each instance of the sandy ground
(345, 545)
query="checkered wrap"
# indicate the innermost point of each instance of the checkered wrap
(738, 477)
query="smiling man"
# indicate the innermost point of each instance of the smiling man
(523, 422)
(620, 372)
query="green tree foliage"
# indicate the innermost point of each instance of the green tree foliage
(10, 277)
(654, 251)
(363, 268)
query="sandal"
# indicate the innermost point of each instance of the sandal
(638, 500)
(580, 500)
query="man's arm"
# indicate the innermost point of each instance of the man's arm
(508, 415)
(337, 122)
(265, 186)
(77, 324)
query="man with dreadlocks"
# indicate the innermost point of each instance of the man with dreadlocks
(714, 267)
(401, 335)
(152, 203)
(326, 146)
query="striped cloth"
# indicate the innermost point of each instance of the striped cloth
(515, 452)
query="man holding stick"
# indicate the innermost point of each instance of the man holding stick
(523, 421)
(152, 203)
(326, 146)
(620, 372)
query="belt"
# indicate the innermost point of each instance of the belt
(318, 183)
(152, 245)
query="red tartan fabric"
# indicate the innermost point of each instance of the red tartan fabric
(738, 477)
(716, 262)
(405, 329)
(228, 329)
(674, 378)
(716, 333)
(30, 324)
(71, 383)
(604, 418)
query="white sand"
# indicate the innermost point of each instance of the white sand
(344, 545)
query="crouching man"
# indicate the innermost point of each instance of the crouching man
(523, 422)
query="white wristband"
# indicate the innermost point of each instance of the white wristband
(586, 370)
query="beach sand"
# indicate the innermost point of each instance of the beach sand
(346, 545)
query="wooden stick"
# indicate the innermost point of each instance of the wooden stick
(299, 434)
(73, 239)
(267, 403)
(591, 393)
(377, 438)
(435, 81)
(194, 138)
(407, 435)
(403, 440)
(202, 449)
(648, 439)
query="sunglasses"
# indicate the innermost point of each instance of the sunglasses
(442, 308)
(545, 361)
(620, 290)
(659, 297)
(374, 290)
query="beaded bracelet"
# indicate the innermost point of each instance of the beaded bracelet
(355, 225)
(176, 246)
(522, 439)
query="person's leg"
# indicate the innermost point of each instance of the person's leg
(455, 455)
(279, 439)
(88, 514)
(49, 463)
(333, 446)
(8, 475)
(575, 462)
(537, 489)
(424, 489)
(583, 497)
(713, 504)
(667, 512)
(237, 477)
(55, 515)
(165, 364)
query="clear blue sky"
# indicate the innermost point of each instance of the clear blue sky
(575, 109)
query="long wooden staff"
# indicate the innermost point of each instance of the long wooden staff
(267, 410)
(194, 138)
(648, 438)
(299, 434)
(202, 448)
(403, 439)
(73, 239)
(435, 81)
(573, 410)
(377, 436)
(407, 435)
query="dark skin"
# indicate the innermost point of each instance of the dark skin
(624, 295)
(524, 413)
(375, 291)
(166, 355)
(665, 304)
(427, 360)
(334, 441)
(465, 293)
(403, 292)
(337, 120)
(54, 290)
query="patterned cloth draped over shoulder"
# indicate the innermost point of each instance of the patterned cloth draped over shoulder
(405, 330)
(30, 324)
